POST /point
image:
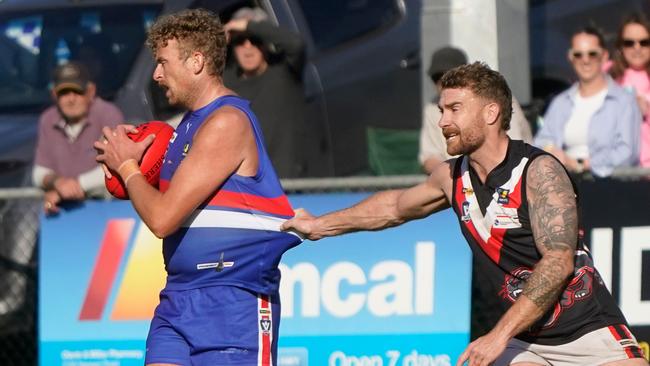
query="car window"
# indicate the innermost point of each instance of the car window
(107, 39)
(334, 22)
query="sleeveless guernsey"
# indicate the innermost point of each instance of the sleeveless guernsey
(494, 218)
(233, 238)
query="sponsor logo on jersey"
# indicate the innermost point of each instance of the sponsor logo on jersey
(502, 194)
(265, 325)
(465, 217)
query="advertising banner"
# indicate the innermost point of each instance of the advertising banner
(394, 297)
(618, 231)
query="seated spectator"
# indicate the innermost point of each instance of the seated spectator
(631, 69)
(65, 166)
(594, 125)
(433, 148)
(268, 70)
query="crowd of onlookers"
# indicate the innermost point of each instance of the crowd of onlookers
(266, 67)
(601, 123)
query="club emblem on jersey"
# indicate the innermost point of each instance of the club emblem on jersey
(502, 196)
(465, 217)
(186, 148)
(514, 282)
(265, 325)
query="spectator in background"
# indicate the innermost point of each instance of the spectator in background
(631, 69)
(65, 166)
(433, 148)
(594, 125)
(268, 70)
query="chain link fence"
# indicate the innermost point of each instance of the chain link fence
(18, 285)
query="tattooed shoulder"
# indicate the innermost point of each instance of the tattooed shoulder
(552, 205)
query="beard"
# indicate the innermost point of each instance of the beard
(466, 141)
(177, 97)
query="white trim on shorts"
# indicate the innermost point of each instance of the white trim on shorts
(603, 345)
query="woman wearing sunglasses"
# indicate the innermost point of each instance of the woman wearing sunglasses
(594, 125)
(631, 69)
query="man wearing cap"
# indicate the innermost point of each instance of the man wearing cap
(65, 166)
(433, 148)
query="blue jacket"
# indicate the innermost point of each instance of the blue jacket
(614, 130)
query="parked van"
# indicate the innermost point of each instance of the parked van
(362, 70)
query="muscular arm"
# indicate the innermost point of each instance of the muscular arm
(223, 145)
(554, 222)
(379, 211)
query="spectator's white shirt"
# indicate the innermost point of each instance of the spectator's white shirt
(576, 130)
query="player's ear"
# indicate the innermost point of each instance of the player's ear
(491, 113)
(197, 62)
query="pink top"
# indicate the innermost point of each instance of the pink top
(639, 83)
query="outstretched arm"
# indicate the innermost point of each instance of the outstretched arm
(554, 221)
(379, 211)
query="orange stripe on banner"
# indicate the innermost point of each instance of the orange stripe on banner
(144, 276)
(108, 262)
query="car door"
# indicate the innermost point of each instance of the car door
(365, 54)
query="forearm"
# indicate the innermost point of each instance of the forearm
(92, 181)
(374, 213)
(289, 43)
(149, 204)
(43, 177)
(542, 291)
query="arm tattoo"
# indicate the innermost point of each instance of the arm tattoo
(553, 213)
(554, 222)
(546, 283)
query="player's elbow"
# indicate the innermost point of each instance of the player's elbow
(162, 228)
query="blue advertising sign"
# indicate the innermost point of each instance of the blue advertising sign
(395, 297)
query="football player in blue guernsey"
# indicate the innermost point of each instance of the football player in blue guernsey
(218, 210)
(517, 209)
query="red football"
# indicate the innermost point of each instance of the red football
(152, 159)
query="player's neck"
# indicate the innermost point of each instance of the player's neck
(489, 155)
(206, 93)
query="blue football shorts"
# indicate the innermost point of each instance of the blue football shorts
(218, 325)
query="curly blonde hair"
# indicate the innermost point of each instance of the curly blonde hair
(194, 30)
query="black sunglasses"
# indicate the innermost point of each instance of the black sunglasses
(629, 43)
(593, 54)
(239, 39)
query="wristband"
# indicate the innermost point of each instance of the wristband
(126, 180)
(127, 168)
